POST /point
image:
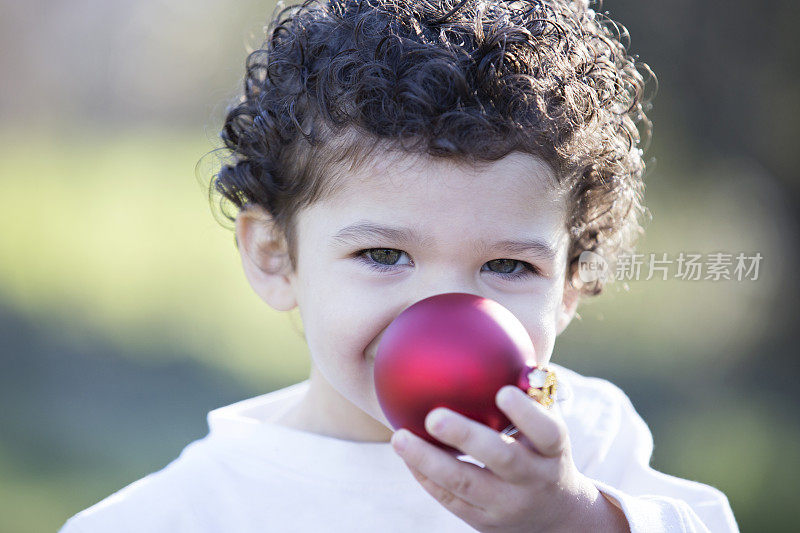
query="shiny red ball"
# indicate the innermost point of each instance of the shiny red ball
(453, 350)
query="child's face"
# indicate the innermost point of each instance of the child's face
(458, 214)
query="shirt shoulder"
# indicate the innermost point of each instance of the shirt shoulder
(587, 397)
(152, 503)
(599, 413)
(613, 445)
(181, 496)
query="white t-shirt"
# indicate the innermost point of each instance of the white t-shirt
(252, 475)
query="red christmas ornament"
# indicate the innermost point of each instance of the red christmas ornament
(455, 350)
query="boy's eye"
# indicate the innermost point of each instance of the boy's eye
(505, 266)
(383, 259)
(384, 256)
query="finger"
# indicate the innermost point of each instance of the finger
(463, 480)
(506, 459)
(547, 433)
(468, 512)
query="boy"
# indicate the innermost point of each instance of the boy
(384, 152)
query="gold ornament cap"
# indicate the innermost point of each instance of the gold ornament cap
(542, 386)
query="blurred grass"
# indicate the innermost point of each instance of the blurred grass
(109, 244)
(115, 236)
(744, 447)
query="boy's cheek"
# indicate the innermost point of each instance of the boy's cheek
(540, 321)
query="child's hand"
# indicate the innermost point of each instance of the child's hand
(529, 485)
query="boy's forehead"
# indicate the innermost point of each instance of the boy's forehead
(509, 198)
(403, 174)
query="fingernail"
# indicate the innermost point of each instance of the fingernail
(505, 396)
(436, 420)
(399, 440)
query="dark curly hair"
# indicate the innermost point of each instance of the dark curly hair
(471, 80)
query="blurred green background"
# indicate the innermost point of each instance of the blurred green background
(125, 315)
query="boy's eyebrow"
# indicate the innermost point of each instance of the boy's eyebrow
(366, 230)
(532, 247)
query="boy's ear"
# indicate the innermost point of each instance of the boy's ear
(569, 304)
(265, 258)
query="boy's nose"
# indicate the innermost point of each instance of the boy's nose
(440, 278)
(443, 289)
